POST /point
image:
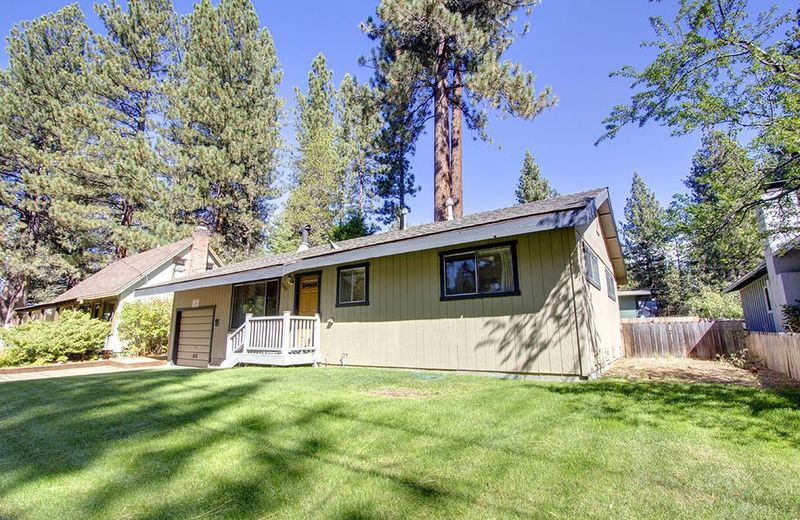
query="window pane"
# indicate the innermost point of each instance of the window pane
(271, 306)
(345, 286)
(359, 278)
(250, 299)
(611, 285)
(495, 272)
(592, 267)
(460, 274)
(353, 285)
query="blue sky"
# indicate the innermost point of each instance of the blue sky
(572, 46)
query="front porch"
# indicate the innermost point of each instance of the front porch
(274, 340)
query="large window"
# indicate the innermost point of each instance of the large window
(258, 299)
(353, 285)
(489, 271)
(592, 266)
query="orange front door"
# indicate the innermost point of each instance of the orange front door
(307, 294)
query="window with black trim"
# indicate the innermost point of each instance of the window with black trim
(592, 266)
(353, 285)
(611, 285)
(489, 271)
(257, 298)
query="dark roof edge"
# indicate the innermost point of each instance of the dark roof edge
(747, 279)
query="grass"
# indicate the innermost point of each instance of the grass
(350, 443)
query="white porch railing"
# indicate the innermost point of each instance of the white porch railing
(275, 340)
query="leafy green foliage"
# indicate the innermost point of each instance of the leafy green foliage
(791, 317)
(353, 225)
(644, 238)
(532, 185)
(224, 126)
(74, 336)
(712, 304)
(721, 249)
(721, 66)
(144, 326)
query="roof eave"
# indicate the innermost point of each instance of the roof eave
(503, 228)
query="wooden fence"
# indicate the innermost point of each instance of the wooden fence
(682, 337)
(779, 351)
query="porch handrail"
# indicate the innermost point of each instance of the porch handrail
(286, 336)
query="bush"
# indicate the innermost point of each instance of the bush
(75, 336)
(714, 305)
(791, 314)
(144, 326)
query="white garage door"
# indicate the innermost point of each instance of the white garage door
(195, 328)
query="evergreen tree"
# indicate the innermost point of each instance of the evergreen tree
(318, 188)
(224, 116)
(135, 54)
(48, 231)
(359, 126)
(725, 242)
(644, 239)
(447, 56)
(532, 185)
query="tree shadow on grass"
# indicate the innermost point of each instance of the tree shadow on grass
(736, 414)
(161, 425)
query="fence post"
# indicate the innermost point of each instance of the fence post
(286, 333)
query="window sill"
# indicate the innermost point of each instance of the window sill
(354, 304)
(480, 295)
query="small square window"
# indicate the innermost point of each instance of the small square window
(611, 285)
(353, 286)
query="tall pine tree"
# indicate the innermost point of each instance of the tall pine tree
(447, 55)
(318, 186)
(225, 118)
(724, 241)
(48, 234)
(135, 52)
(532, 186)
(645, 238)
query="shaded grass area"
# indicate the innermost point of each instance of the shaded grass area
(350, 443)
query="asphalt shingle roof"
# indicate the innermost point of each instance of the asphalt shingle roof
(113, 279)
(546, 206)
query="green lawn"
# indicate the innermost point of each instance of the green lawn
(339, 443)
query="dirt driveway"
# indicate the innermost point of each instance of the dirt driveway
(697, 371)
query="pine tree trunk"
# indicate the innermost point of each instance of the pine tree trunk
(456, 182)
(441, 137)
(126, 221)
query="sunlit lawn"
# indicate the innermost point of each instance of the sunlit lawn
(350, 443)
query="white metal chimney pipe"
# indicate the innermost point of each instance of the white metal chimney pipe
(449, 204)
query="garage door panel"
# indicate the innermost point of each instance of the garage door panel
(194, 338)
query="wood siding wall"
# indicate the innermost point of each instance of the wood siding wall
(754, 303)
(598, 314)
(407, 325)
(646, 338)
(780, 352)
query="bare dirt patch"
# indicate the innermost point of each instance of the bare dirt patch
(697, 371)
(400, 393)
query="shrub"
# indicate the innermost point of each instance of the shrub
(144, 326)
(791, 314)
(711, 304)
(75, 336)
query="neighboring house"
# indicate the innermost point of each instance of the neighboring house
(636, 303)
(104, 293)
(776, 281)
(528, 289)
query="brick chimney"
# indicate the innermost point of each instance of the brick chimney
(198, 257)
